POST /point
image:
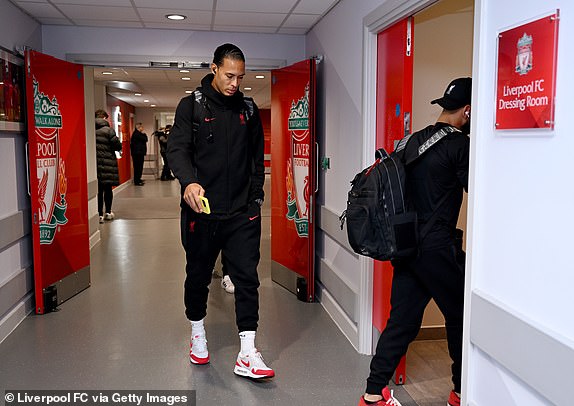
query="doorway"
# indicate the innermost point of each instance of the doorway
(438, 37)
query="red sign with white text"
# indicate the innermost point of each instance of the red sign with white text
(58, 178)
(526, 77)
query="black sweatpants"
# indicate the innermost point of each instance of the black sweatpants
(138, 161)
(437, 274)
(238, 238)
(166, 171)
(105, 195)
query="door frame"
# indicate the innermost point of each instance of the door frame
(378, 20)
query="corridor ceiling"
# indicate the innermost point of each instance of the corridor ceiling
(255, 16)
(164, 87)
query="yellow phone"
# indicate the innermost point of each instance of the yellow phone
(205, 204)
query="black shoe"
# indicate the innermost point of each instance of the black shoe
(139, 183)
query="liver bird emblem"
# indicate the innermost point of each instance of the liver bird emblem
(42, 187)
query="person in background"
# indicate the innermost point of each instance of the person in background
(215, 150)
(138, 146)
(162, 137)
(435, 184)
(226, 282)
(107, 143)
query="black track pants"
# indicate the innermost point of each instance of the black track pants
(238, 238)
(434, 274)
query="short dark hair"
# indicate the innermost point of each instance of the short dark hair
(101, 113)
(227, 51)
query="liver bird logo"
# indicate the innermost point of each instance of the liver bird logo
(42, 187)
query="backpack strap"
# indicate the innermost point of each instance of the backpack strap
(199, 114)
(248, 109)
(436, 137)
(408, 156)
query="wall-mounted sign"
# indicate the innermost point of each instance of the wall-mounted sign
(526, 75)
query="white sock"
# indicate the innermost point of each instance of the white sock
(197, 327)
(247, 341)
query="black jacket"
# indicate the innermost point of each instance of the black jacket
(162, 137)
(138, 143)
(229, 163)
(441, 171)
(107, 143)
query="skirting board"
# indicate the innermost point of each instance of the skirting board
(338, 315)
(16, 316)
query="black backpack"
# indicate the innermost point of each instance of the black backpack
(381, 223)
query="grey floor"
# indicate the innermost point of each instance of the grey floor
(128, 330)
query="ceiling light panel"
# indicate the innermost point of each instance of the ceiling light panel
(300, 21)
(314, 6)
(75, 11)
(248, 19)
(158, 15)
(178, 6)
(41, 10)
(263, 6)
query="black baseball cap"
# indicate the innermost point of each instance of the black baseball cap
(456, 95)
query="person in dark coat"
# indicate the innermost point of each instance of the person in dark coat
(107, 143)
(162, 137)
(138, 147)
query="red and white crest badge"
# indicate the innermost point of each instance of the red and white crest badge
(50, 169)
(524, 55)
(298, 188)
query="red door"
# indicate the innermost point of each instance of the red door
(58, 179)
(293, 181)
(394, 106)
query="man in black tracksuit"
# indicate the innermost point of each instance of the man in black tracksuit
(138, 146)
(435, 184)
(215, 150)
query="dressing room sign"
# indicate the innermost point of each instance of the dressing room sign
(526, 75)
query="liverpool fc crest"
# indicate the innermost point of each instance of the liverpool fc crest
(524, 55)
(50, 169)
(298, 187)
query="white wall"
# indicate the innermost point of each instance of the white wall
(17, 29)
(339, 37)
(16, 282)
(520, 228)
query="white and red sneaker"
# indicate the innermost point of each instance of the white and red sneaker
(198, 353)
(453, 399)
(387, 400)
(252, 366)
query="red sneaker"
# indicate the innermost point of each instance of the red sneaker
(453, 399)
(387, 400)
(252, 366)
(198, 353)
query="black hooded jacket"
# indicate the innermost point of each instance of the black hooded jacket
(225, 156)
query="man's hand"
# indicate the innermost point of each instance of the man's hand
(191, 196)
